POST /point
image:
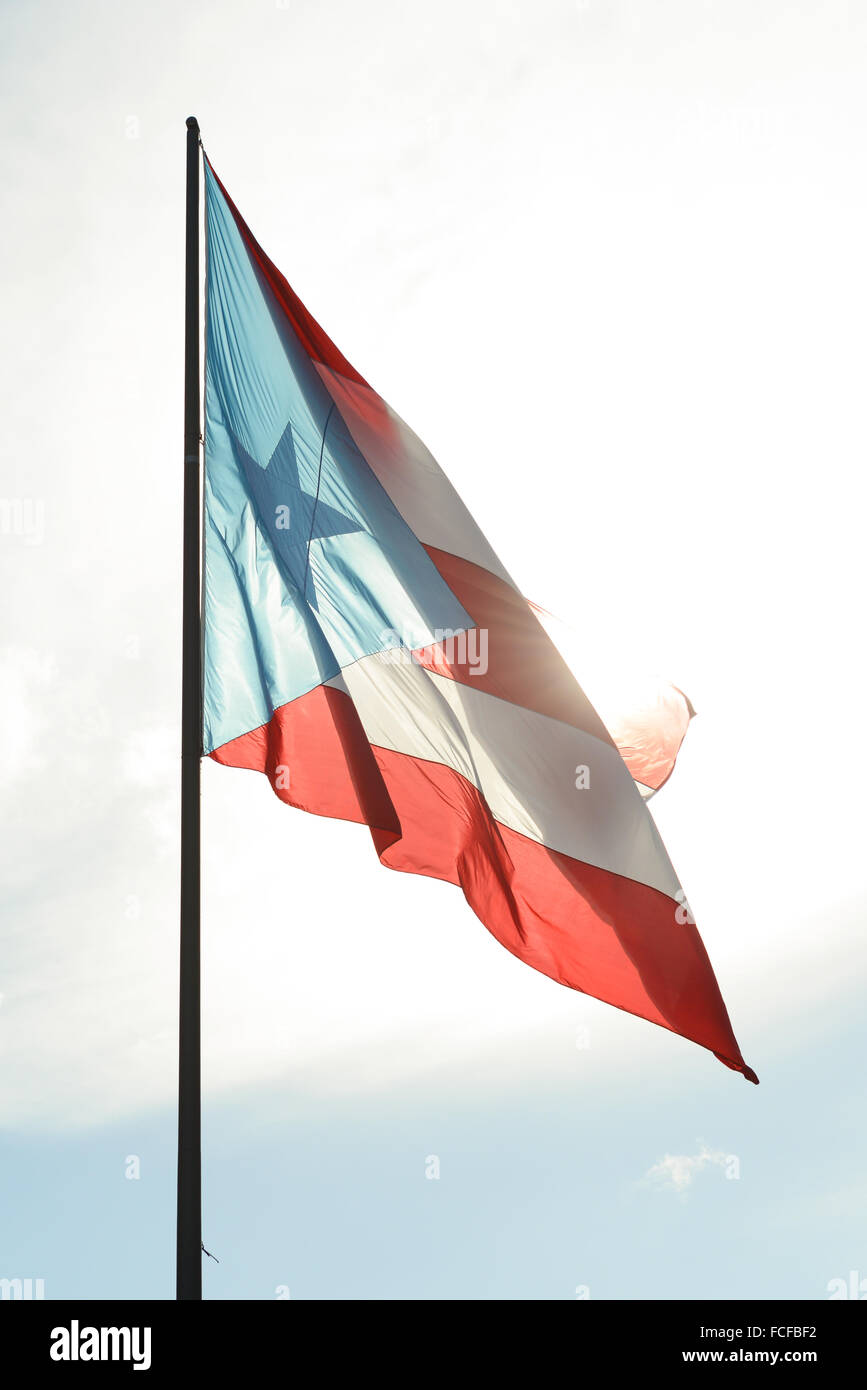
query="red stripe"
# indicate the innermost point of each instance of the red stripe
(317, 758)
(524, 666)
(315, 340)
(585, 927)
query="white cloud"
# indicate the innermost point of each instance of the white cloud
(151, 755)
(25, 676)
(677, 1171)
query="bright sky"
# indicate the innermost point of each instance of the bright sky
(606, 258)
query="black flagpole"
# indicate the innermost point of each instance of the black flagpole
(189, 1250)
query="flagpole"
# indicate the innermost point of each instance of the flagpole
(189, 1228)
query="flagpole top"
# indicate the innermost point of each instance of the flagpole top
(192, 124)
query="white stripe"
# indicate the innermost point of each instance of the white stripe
(410, 474)
(526, 765)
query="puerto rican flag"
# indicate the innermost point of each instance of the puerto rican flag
(366, 649)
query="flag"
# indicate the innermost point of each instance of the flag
(647, 718)
(366, 649)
